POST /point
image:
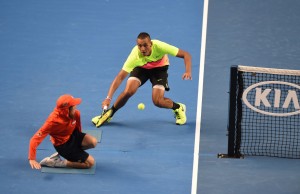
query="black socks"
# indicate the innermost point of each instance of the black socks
(175, 106)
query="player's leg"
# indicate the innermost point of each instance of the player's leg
(132, 85)
(158, 92)
(159, 80)
(160, 101)
(137, 78)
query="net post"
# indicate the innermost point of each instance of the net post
(233, 148)
(232, 109)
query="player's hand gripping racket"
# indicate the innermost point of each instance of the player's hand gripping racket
(104, 110)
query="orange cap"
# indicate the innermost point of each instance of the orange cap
(66, 101)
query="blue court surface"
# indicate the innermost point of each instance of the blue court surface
(48, 48)
(263, 33)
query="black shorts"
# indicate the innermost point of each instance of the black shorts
(157, 76)
(72, 149)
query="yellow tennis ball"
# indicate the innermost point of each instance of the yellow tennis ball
(141, 106)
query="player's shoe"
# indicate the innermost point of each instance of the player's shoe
(105, 117)
(55, 156)
(95, 119)
(54, 161)
(179, 114)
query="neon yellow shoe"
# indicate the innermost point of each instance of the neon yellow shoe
(179, 114)
(101, 119)
(96, 119)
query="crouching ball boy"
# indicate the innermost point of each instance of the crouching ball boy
(64, 127)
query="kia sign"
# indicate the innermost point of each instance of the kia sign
(272, 98)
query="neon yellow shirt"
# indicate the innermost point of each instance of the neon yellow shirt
(158, 57)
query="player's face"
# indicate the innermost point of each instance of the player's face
(72, 112)
(145, 46)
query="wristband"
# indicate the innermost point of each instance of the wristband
(108, 98)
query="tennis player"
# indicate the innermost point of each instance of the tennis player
(64, 127)
(148, 60)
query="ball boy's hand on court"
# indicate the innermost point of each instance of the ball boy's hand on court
(34, 164)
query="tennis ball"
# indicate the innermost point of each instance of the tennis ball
(141, 106)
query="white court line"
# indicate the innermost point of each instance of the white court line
(199, 102)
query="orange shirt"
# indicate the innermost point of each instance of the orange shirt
(59, 126)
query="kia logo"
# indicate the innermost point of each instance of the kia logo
(271, 98)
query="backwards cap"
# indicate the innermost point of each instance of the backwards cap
(66, 101)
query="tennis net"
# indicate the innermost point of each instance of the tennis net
(264, 112)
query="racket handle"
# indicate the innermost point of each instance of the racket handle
(105, 108)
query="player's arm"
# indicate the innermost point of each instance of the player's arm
(114, 86)
(188, 63)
